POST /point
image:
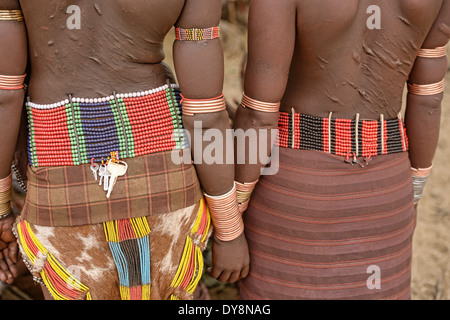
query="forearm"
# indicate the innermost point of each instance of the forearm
(10, 113)
(422, 121)
(423, 108)
(253, 142)
(212, 158)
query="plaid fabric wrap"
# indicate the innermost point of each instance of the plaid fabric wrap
(69, 195)
(342, 137)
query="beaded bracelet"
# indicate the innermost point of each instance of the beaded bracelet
(248, 102)
(244, 192)
(11, 82)
(193, 106)
(419, 178)
(225, 214)
(11, 15)
(196, 34)
(5, 196)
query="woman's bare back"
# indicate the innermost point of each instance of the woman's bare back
(94, 47)
(355, 57)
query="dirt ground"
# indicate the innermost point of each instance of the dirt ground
(431, 248)
(431, 251)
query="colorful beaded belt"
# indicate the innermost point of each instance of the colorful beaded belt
(343, 137)
(80, 131)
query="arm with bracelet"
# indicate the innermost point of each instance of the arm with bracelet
(270, 52)
(13, 60)
(425, 95)
(199, 65)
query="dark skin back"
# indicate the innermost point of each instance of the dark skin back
(319, 57)
(118, 47)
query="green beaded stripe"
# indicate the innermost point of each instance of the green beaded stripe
(123, 128)
(81, 140)
(31, 142)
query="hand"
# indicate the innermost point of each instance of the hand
(8, 250)
(230, 259)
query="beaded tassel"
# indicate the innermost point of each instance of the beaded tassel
(130, 246)
(190, 269)
(60, 283)
(77, 130)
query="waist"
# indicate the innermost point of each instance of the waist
(342, 137)
(78, 130)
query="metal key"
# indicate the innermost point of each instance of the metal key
(101, 173)
(115, 169)
(94, 169)
(106, 178)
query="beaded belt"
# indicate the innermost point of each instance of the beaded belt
(343, 137)
(79, 131)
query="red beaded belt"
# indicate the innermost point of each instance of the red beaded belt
(343, 137)
(81, 130)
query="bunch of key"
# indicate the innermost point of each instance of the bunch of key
(107, 172)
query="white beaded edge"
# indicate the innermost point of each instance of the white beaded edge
(103, 99)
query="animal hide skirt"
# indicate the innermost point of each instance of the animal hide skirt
(157, 257)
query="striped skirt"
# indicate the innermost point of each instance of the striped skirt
(324, 229)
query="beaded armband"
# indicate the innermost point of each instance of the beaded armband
(5, 196)
(244, 192)
(11, 82)
(225, 214)
(11, 15)
(196, 34)
(248, 102)
(419, 178)
(433, 88)
(193, 106)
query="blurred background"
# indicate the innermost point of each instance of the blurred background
(431, 247)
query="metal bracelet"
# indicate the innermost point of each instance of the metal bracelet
(419, 186)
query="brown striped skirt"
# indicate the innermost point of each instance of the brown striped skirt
(323, 229)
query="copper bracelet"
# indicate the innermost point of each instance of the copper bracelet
(248, 102)
(426, 89)
(225, 214)
(12, 82)
(194, 106)
(11, 15)
(438, 52)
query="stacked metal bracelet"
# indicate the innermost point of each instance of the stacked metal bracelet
(225, 214)
(419, 178)
(11, 15)
(244, 192)
(262, 106)
(433, 88)
(5, 196)
(195, 106)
